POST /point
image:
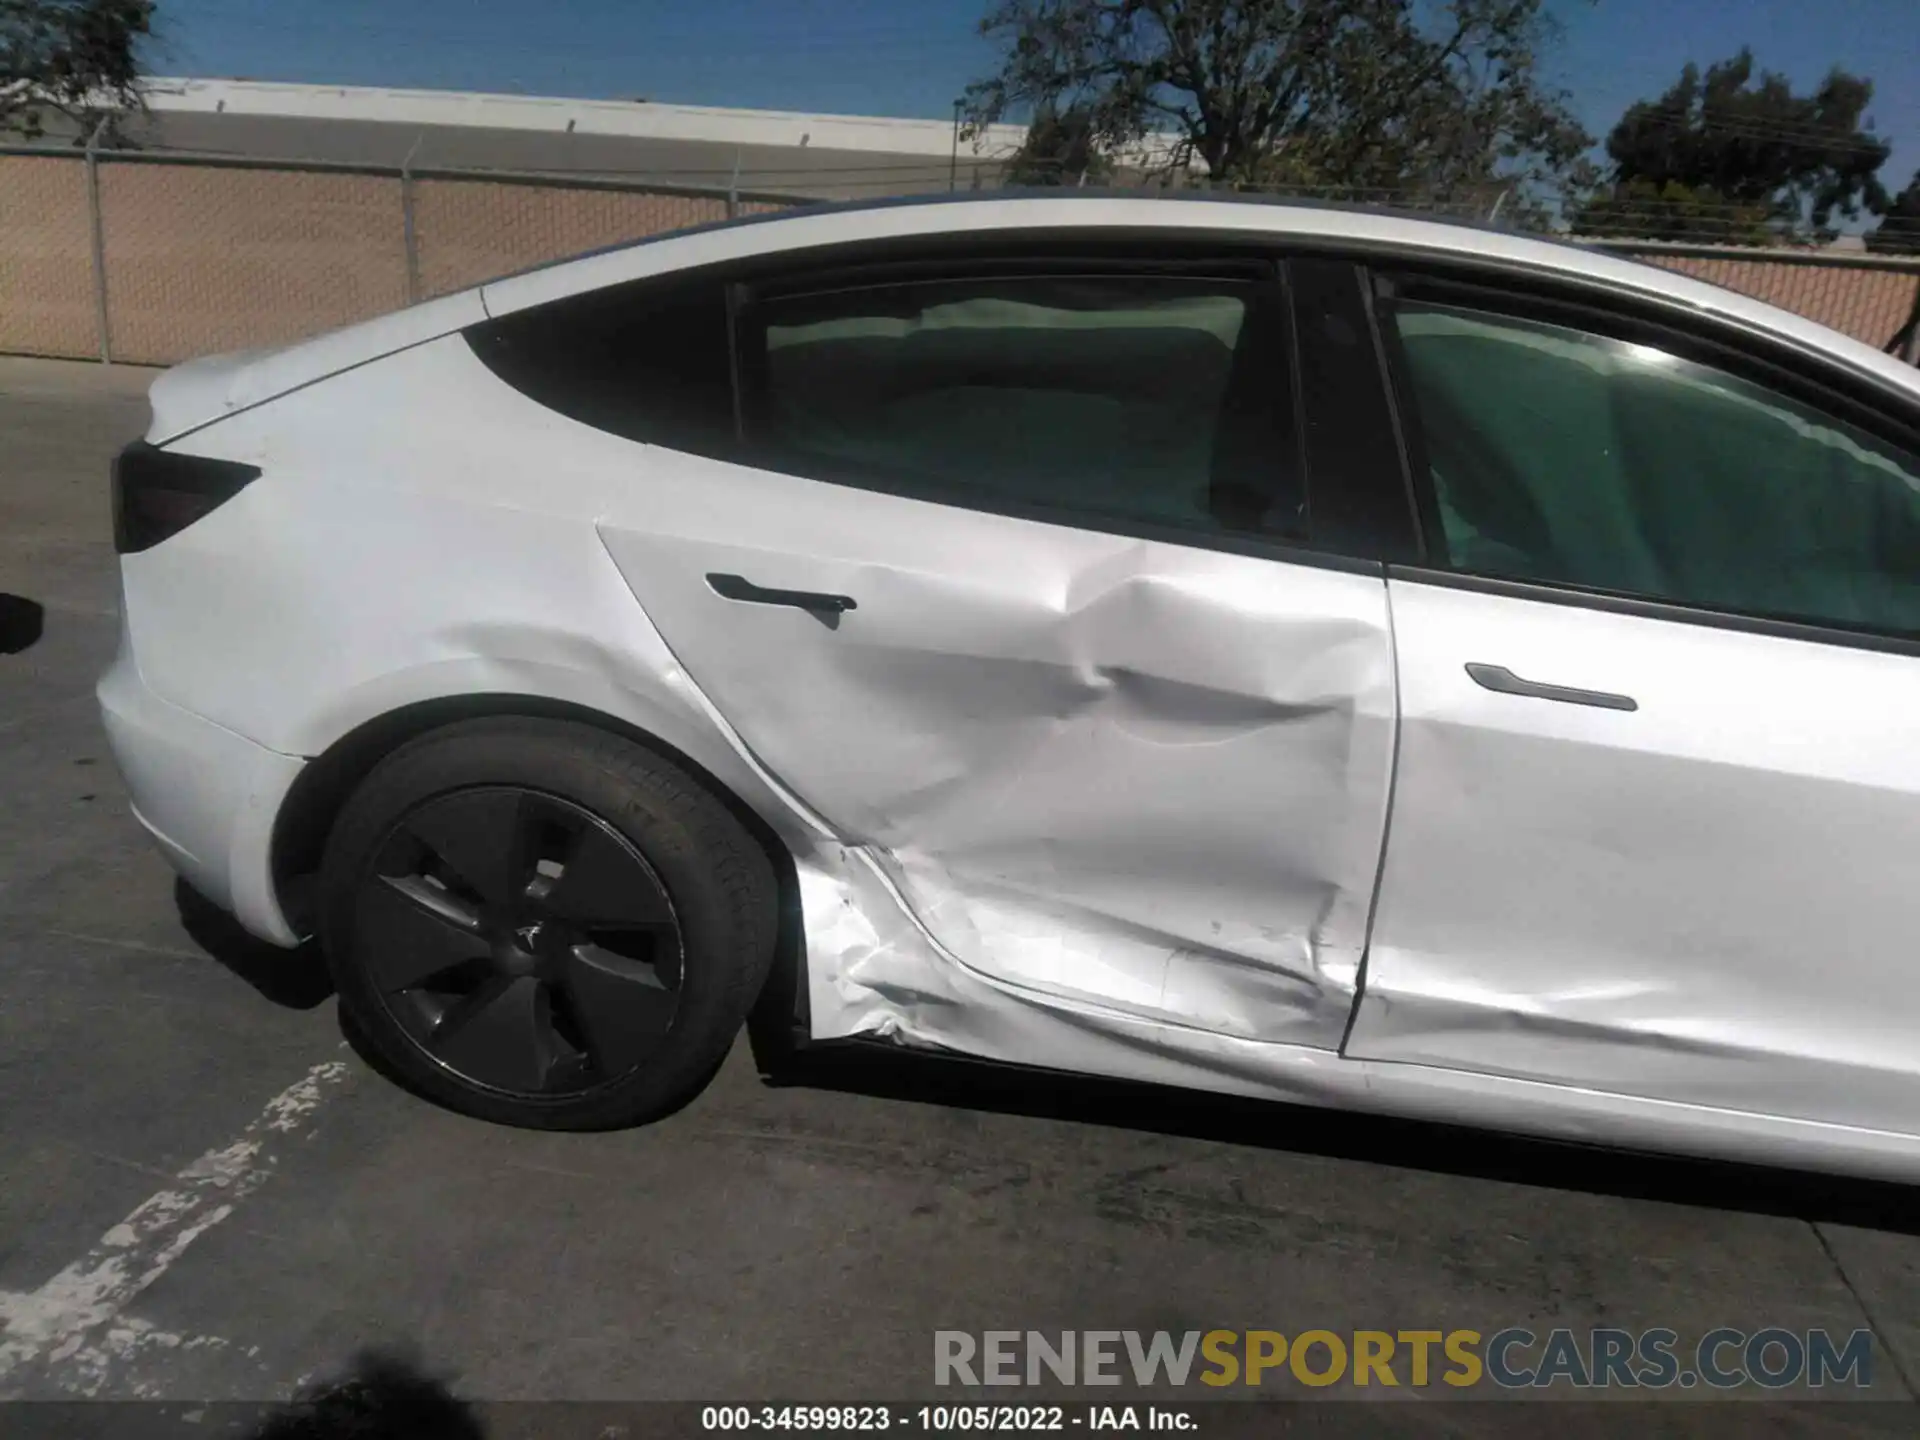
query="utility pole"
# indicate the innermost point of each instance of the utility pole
(953, 160)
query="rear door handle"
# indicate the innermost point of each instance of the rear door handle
(1498, 677)
(827, 608)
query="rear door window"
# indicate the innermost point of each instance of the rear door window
(1149, 399)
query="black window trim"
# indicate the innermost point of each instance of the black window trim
(1407, 442)
(1511, 279)
(1262, 264)
(1381, 256)
(1297, 393)
(1771, 363)
(736, 301)
(1604, 312)
(1085, 260)
(1365, 400)
(1517, 277)
(1255, 547)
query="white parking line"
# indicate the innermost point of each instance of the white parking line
(52, 1323)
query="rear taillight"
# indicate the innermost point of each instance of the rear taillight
(157, 493)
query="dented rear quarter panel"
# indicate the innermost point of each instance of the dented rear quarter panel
(1148, 776)
(429, 549)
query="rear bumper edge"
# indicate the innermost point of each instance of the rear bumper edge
(207, 796)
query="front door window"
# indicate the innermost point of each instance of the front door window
(1566, 457)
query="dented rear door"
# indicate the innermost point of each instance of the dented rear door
(1128, 745)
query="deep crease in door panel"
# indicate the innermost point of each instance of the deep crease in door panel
(1057, 773)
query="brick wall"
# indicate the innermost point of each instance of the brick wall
(208, 258)
(201, 260)
(1870, 305)
(46, 270)
(474, 230)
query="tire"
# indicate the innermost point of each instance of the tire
(540, 924)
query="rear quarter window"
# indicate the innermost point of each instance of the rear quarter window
(648, 361)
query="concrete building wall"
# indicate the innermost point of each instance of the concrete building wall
(725, 127)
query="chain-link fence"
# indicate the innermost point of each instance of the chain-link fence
(152, 257)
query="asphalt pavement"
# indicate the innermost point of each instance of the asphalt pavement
(205, 1194)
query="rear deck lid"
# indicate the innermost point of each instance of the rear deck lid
(202, 391)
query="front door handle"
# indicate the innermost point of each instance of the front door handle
(1498, 677)
(825, 608)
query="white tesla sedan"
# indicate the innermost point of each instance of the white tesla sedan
(1326, 656)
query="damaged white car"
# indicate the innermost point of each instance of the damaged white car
(1332, 657)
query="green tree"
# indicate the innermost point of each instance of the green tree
(1060, 149)
(1899, 232)
(77, 58)
(1367, 97)
(1729, 155)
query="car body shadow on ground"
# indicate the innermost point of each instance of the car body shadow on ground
(957, 1081)
(297, 979)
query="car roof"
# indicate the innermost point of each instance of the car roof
(1117, 214)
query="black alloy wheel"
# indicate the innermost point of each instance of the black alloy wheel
(536, 922)
(520, 941)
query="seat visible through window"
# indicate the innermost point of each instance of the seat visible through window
(1152, 399)
(1558, 455)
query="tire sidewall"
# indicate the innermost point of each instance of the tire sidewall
(674, 824)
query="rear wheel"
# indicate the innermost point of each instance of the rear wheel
(541, 924)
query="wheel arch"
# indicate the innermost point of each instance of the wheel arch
(313, 803)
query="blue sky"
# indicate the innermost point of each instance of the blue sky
(912, 57)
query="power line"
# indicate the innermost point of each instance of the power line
(1794, 134)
